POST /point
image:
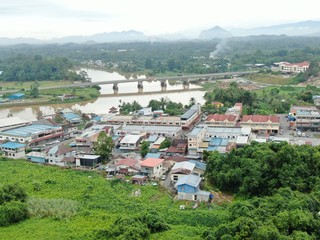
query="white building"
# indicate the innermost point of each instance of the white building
(181, 169)
(293, 67)
(130, 142)
(12, 122)
(152, 167)
(57, 154)
(13, 149)
(195, 137)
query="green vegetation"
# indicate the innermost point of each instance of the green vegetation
(145, 147)
(37, 68)
(104, 146)
(269, 78)
(279, 187)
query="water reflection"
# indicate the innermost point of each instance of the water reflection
(102, 104)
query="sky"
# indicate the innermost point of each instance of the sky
(46, 19)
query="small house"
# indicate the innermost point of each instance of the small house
(188, 188)
(37, 157)
(13, 149)
(152, 167)
(139, 179)
(181, 169)
(130, 142)
(87, 160)
(56, 154)
(128, 166)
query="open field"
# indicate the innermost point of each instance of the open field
(26, 85)
(269, 79)
(99, 202)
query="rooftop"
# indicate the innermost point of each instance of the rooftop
(221, 130)
(12, 145)
(191, 180)
(260, 118)
(151, 162)
(29, 130)
(5, 122)
(130, 139)
(195, 131)
(221, 117)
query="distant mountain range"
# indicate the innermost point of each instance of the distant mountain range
(306, 28)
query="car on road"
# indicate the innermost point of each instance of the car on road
(163, 177)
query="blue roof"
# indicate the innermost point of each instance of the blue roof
(211, 148)
(198, 164)
(152, 155)
(26, 131)
(219, 142)
(195, 131)
(152, 138)
(12, 145)
(97, 118)
(70, 116)
(17, 95)
(191, 180)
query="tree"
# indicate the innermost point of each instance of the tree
(144, 148)
(165, 144)
(34, 90)
(104, 146)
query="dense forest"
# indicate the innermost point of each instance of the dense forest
(37, 68)
(280, 190)
(185, 57)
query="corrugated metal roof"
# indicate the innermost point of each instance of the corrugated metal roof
(71, 116)
(26, 131)
(191, 180)
(188, 114)
(12, 145)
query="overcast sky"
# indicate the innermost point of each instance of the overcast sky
(46, 19)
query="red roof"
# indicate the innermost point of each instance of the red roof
(261, 118)
(176, 158)
(129, 162)
(151, 162)
(301, 64)
(174, 149)
(221, 118)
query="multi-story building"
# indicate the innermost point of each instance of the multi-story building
(294, 67)
(222, 120)
(306, 118)
(33, 134)
(13, 149)
(261, 123)
(195, 137)
(152, 167)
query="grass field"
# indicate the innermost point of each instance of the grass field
(99, 202)
(269, 79)
(26, 85)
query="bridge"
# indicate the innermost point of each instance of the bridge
(185, 79)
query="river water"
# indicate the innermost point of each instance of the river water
(102, 104)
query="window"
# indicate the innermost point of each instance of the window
(195, 197)
(175, 178)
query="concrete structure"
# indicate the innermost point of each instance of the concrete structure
(152, 167)
(57, 154)
(145, 111)
(181, 169)
(190, 117)
(13, 149)
(33, 134)
(87, 161)
(37, 157)
(12, 122)
(261, 123)
(235, 110)
(166, 131)
(128, 166)
(72, 118)
(306, 118)
(130, 142)
(222, 120)
(188, 188)
(195, 137)
(294, 67)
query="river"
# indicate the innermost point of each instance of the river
(102, 104)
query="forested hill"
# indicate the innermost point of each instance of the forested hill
(37, 67)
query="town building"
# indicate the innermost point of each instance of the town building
(152, 167)
(261, 123)
(306, 118)
(188, 188)
(87, 160)
(16, 96)
(222, 120)
(37, 157)
(12, 122)
(128, 166)
(57, 154)
(130, 142)
(13, 149)
(33, 134)
(181, 169)
(166, 131)
(286, 67)
(195, 137)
